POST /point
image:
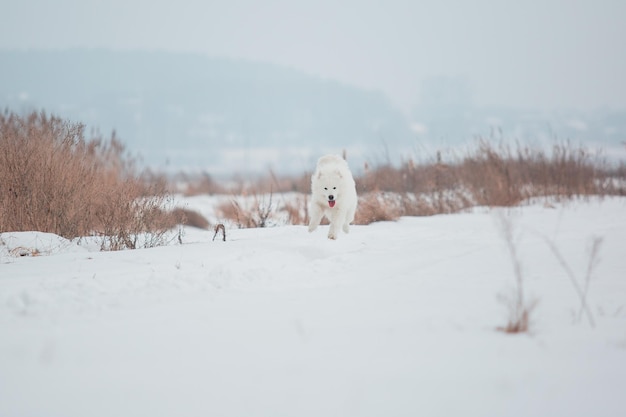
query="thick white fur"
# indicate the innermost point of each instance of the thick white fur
(332, 180)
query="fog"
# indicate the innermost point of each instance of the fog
(542, 54)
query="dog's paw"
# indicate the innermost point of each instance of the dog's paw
(312, 228)
(346, 228)
(332, 236)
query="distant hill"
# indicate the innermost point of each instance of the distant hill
(192, 111)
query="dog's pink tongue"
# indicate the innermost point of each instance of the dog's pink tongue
(331, 203)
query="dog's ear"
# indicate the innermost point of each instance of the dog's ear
(338, 172)
(319, 175)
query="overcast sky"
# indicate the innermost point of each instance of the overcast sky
(523, 53)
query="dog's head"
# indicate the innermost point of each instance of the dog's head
(330, 185)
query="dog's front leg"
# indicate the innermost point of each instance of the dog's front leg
(335, 224)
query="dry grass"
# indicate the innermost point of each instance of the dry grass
(378, 207)
(186, 217)
(517, 304)
(581, 288)
(493, 175)
(248, 212)
(489, 175)
(297, 209)
(54, 180)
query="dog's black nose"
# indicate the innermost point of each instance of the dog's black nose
(331, 197)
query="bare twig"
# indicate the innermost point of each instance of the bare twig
(581, 291)
(264, 211)
(519, 309)
(217, 229)
(596, 242)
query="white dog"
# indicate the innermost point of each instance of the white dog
(333, 195)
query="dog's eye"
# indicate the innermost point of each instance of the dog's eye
(326, 188)
(334, 188)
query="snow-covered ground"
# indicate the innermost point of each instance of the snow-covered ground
(394, 319)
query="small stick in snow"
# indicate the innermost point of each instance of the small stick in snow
(217, 229)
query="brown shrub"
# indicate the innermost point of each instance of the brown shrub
(297, 210)
(491, 176)
(35, 154)
(377, 207)
(249, 212)
(188, 218)
(54, 180)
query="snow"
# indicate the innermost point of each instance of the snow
(34, 244)
(394, 319)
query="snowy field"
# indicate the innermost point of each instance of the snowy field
(394, 319)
